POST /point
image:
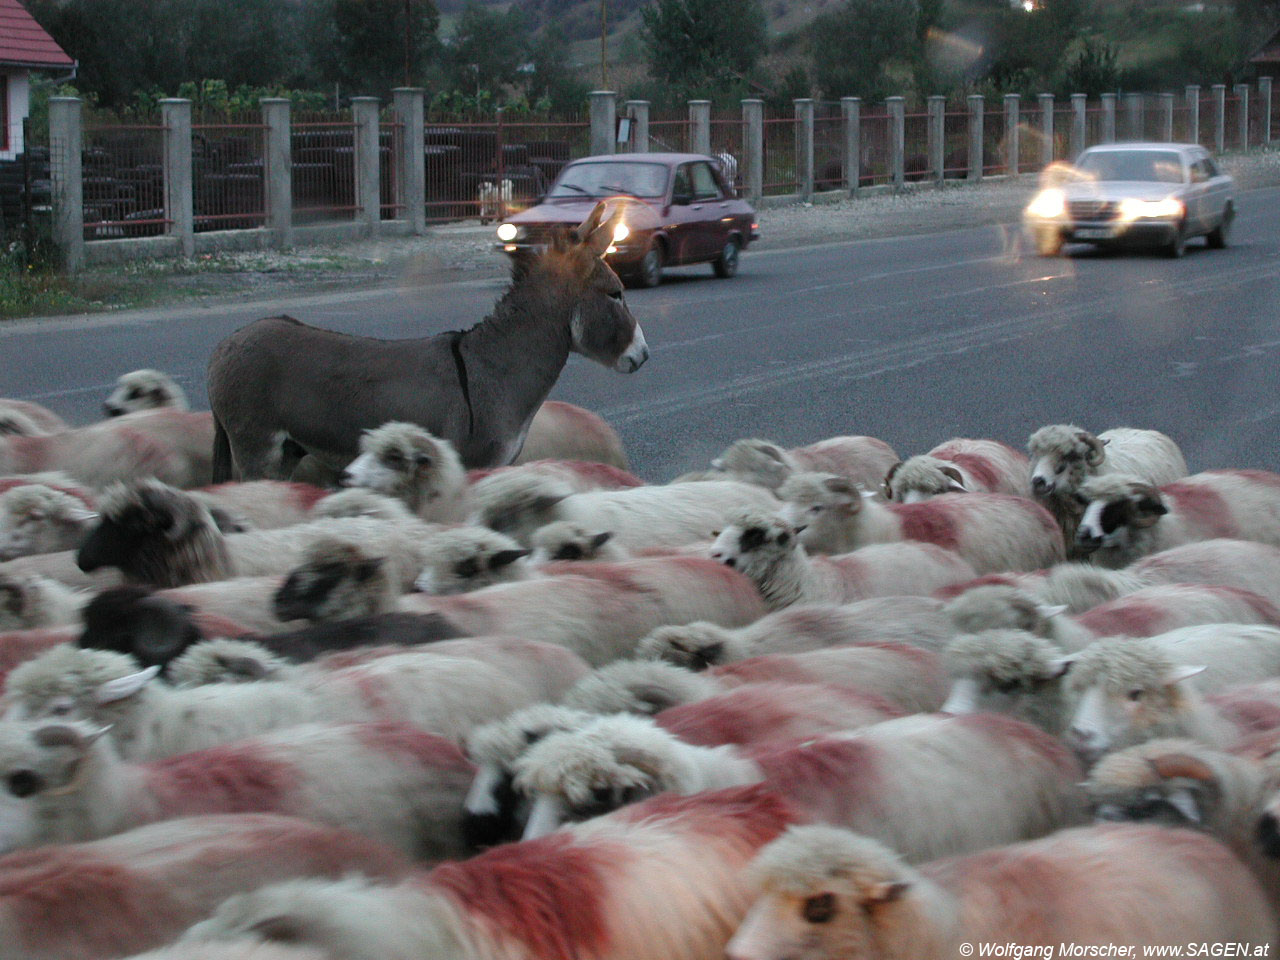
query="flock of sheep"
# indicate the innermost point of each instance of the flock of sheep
(808, 704)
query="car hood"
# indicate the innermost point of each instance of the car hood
(640, 214)
(1122, 190)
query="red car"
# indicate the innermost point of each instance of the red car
(679, 211)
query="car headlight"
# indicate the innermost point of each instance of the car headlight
(508, 232)
(1048, 204)
(621, 232)
(1167, 209)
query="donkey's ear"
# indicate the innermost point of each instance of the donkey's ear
(589, 225)
(599, 240)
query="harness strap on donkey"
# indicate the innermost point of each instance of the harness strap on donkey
(455, 346)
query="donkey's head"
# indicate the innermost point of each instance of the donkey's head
(602, 327)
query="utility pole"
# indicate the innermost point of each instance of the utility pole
(604, 47)
(408, 41)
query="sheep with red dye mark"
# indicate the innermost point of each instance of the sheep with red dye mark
(916, 620)
(565, 540)
(145, 389)
(860, 460)
(765, 548)
(1125, 518)
(993, 532)
(959, 466)
(141, 889)
(23, 418)
(562, 431)
(391, 782)
(1245, 564)
(35, 602)
(36, 518)
(829, 894)
(463, 559)
(953, 783)
(663, 878)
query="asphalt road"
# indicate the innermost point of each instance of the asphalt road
(913, 340)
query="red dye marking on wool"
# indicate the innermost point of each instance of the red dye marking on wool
(406, 740)
(1126, 617)
(235, 778)
(19, 646)
(1202, 508)
(976, 466)
(1014, 732)
(1257, 476)
(212, 625)
(987, 580)
(9, 483)
(754, 815)
(932, 521)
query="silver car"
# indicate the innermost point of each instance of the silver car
(1144, 194)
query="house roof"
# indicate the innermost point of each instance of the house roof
(24, 43)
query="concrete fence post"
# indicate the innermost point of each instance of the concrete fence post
(700, 126)
(1166, 117)
(66, 145)
(364, 111)
(1264, 98)
(638, 111)
(278, 182)
(896, 108)
(411, 165)
(977, 106)
(1108, 118)
(804, 146)
(603, 120)
(1193, 112)
(753, 142)
(1079, 124)
(1012, 147)
(1242, 117)
(937, 136)
(175, 114)
(1046, 128)
(1133, 116)
(1219, 117)
(851, 154)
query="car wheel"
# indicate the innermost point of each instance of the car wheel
(1218, 236)
(649, 272)
(1176, 247)
(726, 265)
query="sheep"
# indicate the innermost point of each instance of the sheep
(1022, 782)
(144, 390)
(766, 549)
(916, 620)
(28, 419)
(55, 480)
(161, 536)
(561, 431)
(262, 504)
(664, 878)
(582, 476)
(141, 889)
(1181, 783)
(442, 694)
(959, 466)
(388, 781)
(992, 531)
(860, 460)
(335, 579)
(640, 518)
(1234, 563)
(35, 602)
(19, 646)
(405, 461)
(231, 951)
(829, 894)
(1063, 456)
(1008, 671)
(470, 558)
(1125, 518)
(569, 541)
(361, 502)
(36, 518)
(62, 566)
(1079, 587)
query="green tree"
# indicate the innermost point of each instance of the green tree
(550, 77)
(698, 45)
(487, 49)
(853, 47)
(361, 44)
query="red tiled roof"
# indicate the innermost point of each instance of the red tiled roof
(24, 42)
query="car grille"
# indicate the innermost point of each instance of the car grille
(1093, 209)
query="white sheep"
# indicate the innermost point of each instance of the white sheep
(829, 894)
(405, 461)
(562, 431)
(916, 620)
(1233, 563)
(765, 548)
(141, 889)
(640, 518)
(19, 646)
(21, 417)
(1125, 518)
(263, 504)
(144, 390)
(463, 559)
(361, 502)
(992, 531)
(959, 466)
(388, 781)
(1018, 782)
(860, 460)
(565, 540)
(34, 602)
(36, 518)
(1079, 587)
(242, 950)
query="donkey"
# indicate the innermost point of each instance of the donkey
(280, 389)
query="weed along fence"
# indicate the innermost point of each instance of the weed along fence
(179, 184)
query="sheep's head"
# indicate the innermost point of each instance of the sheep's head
(225, 661)
(1170, 782)
(19, 601)
(755, 543)
(820, 506)
(469, 558)
(35, 518)
(1062, 455)
(144, 390)
(15, 423)
(517, 502)
(997, 607)
(1124, 691)
(68, 683)
(644, 687)
(1112, 508)
(566, 540)
(755, 461)
(1004, 671)
(694, 646)
(825, 891)
(38, 762)
(584, 773)
(404, 460)
(335, 581)
(922, 477)
(137, 621)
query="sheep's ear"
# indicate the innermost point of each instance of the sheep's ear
(1148, 505)
(122, 688)
(888, 480)
(885, 892)
(1183, 671)
(504, 558)
(1186, 803)
(772, 451)
(1049, 611)
(1181, 765)
(600, 539)
(280, 929)
(956, 478)
(1059, 666)
(546, 501)
(81, 515)
(842, 486)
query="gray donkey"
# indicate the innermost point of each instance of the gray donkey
(280, 389)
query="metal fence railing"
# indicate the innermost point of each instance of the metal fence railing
(915, 146)
(323, 151)
(781, 174)
(123, 180)
(228, 157)
(828, 145)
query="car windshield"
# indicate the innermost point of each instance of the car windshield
(1161, 166)
(609, 179)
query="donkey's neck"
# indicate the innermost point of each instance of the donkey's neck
(525, 342)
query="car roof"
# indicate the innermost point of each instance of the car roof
(664, 158)
(1144, 145)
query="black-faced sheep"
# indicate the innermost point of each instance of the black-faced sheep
(993, 532)
(403, 460)
(144, 390)
(36, 518)
(565, 540)
(463, 559)
(959, 466)
(860, 460)
(765, 548)
(829, 894)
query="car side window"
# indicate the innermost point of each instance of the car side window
(1199, 171)
(1210, 168)
(682, 186)
(705, 186)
